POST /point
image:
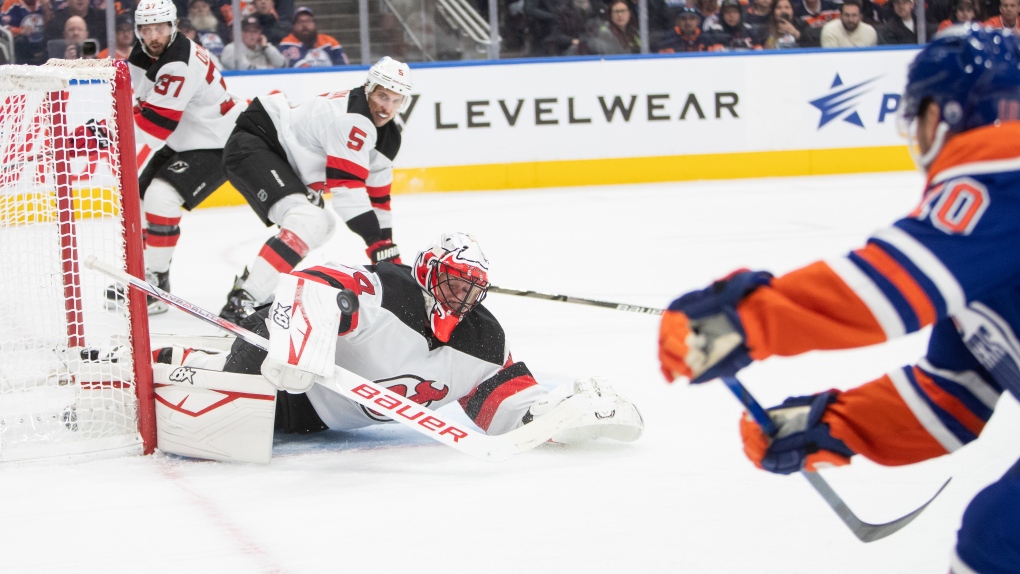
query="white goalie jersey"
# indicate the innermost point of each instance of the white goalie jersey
(388, 341)
(182, 99)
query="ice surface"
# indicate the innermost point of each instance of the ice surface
(683, 499)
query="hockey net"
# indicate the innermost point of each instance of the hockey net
(75, 375)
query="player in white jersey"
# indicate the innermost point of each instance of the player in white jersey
(282, 159)
(419, 331)
(183, 119)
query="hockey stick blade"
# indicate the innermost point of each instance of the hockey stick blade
(382, 400)
(578, 300)
(864, 531)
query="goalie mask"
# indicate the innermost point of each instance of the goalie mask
(455, 274)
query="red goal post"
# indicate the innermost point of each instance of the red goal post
(75, 371)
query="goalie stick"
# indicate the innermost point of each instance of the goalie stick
(370, 395)
(864, 531)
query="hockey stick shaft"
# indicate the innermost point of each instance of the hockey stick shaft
(578, 300)
(380, 399)
(862, 530)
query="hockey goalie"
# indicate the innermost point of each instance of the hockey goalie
(420, 331)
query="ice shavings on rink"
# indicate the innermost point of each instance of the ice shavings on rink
(683, 499)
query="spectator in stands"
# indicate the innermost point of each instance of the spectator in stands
(185, 27)
(542, 16)
(69, 47)
(75, 32)
(709, 12)
(686, 36)
(619, 33)
(965, 11)
(283, 9)
(124, 38)
(256, 52)
(95, 20)
(305, 47)
(1009, 10)
(783, 30)
(849, 31)
(26, 20)
(575, 25)
(816, 13)
(731, 33)
(226, 10)
(209, 29)
(273, 28)
(901, 28)
(757, 13)
(661, 16)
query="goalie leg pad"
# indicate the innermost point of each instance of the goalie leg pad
(214, 415)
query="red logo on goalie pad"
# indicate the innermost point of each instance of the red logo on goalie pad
(411, 411)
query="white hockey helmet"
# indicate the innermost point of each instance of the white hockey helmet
(392, 75)
(455, 274)
(155, 12)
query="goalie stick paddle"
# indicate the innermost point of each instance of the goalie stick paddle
(380, 399)
(864, 531)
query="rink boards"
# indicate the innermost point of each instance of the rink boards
(559, 122)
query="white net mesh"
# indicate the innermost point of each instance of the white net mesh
(66, 375)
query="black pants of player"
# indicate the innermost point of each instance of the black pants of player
(260, 171)
(294, 412)
(195, 174)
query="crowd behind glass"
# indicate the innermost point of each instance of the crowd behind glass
(276, 34)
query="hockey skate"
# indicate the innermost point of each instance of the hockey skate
(240, 303)
(115, 298)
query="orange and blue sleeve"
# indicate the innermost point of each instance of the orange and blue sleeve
(922, 411)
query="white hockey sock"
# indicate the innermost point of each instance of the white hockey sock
(162, 218)
(262, 280)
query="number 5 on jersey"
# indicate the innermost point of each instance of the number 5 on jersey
(356, 139)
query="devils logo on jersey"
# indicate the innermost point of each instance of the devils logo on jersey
(414, 388)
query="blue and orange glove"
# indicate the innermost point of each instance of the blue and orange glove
(803, 441)
(701, 336)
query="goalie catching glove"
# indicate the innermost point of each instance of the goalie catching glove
(803, 440)
(611, 415)
(701, 336)
(303, 326)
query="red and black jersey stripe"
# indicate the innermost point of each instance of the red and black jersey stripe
(380, 196)
(284, 251)
(481, 405)
(157, 121)
(342, 172)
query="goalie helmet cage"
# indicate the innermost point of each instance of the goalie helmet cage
(75, 368)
